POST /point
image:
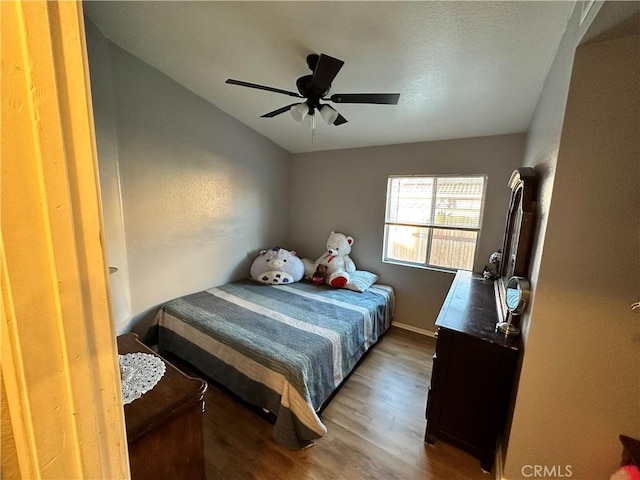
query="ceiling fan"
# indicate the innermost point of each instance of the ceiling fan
(313, 89)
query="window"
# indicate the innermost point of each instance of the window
(433, 221)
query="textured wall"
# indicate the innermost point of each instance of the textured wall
(200, 192)
(345, 190)
(104, 115)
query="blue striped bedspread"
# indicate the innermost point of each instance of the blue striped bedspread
(284, 348)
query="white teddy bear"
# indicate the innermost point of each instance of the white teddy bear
(333, 266)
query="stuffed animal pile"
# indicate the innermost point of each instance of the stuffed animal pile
(333, 266)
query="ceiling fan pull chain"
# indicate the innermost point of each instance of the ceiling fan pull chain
(313, 128)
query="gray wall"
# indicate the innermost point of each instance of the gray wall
(580, 378)
(344, 190)
(200, 192)
(104, 113)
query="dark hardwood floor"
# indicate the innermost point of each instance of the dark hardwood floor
(375, 427)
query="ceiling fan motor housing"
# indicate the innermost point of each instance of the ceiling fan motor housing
(312, 61)
(308, 90)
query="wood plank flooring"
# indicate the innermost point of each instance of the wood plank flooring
(375, 427)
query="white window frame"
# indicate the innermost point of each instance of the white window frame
(432, 225)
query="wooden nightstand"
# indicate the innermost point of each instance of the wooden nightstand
(164, 426)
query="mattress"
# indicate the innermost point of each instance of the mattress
(282, 348)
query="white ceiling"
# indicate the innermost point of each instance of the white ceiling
(463, 69)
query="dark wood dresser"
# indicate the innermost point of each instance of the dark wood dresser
(473, 370)
(164, 426)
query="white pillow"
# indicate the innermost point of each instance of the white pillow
(360, 280)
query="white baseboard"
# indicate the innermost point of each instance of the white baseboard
(411, 328)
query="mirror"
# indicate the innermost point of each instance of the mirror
(517, 295)
(518, 233)
(518, 291)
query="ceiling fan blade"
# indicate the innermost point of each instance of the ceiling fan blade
(326, 70)
(262, 87)
(340, 120)
(379, 98)
(278, 111)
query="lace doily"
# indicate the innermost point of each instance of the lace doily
(139, 373)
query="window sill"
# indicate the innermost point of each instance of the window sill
(423, 267)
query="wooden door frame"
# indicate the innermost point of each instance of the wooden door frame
(62, 414)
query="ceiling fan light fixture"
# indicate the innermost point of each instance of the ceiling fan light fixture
(299, 111)
(329, 114)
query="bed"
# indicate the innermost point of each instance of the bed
(283, 348)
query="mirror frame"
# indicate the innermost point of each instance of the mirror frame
(519, 229)
(523, 287)
(518, 234)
